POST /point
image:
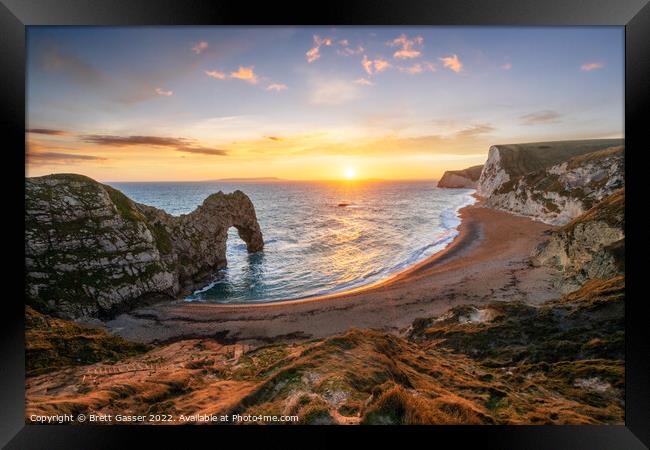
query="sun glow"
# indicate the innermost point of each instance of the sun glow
(349, 173)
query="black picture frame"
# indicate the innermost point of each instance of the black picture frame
(634, 15)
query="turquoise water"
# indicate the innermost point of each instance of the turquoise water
(313, 246)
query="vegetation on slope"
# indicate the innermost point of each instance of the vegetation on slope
(502, 363)
(52, 344)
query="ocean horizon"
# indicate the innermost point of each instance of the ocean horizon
(320, 237)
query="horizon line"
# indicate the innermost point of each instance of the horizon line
(270, 180)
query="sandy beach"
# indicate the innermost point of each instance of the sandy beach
(488, 260)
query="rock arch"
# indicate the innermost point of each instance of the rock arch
(221, 211)
(92, 251)
(201, 243)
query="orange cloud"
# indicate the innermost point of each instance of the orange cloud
(314, 53)
(276, 87)
(215, 74)
(407, 46)
(199, 47)
(374, 65)
(245, 74)
(452, 63)
(381, 65)
(506, 66)
(588, 67)
(367, 64)
(164, 93)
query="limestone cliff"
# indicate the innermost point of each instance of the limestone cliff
(466, 178)
(590, 246)
(507, 162)
(553, 182)
(91, 251)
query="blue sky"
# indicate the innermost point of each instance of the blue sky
(394, 102)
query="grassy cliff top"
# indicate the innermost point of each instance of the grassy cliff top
(473, 173)
(520, 159)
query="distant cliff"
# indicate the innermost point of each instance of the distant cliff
(91, 251)
(466, 178)
(553, 182)
(590, 246)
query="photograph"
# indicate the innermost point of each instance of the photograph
(325, 225)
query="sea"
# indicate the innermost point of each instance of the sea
(319, 237)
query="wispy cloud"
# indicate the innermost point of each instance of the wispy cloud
(215, 74)
(476, 130)
(452, 63)
(131, 86)
(506, 66)
(407, 47)
(333, 92)
(68, 64)
(185, 145)
(364, 82)
(588, 67)
(125, 141)
(314, 53)
(347, 50)
(203, 151)
(199, 47)
(60, 158)
(47, 131)
(418, 68)
(372, 66)
(276, 87)
(544, 116)
(164, 93)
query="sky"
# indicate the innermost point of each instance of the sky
(310, 103)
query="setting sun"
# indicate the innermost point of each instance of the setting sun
(349, 173)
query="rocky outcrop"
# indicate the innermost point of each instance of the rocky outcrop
(91, 251)
(589, 247)
(552, 182)
(466, 178)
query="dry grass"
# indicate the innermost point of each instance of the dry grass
(560, 363)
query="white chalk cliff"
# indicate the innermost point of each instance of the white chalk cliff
(553, 182)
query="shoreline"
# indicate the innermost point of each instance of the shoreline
(487, 260)
(461, 240)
